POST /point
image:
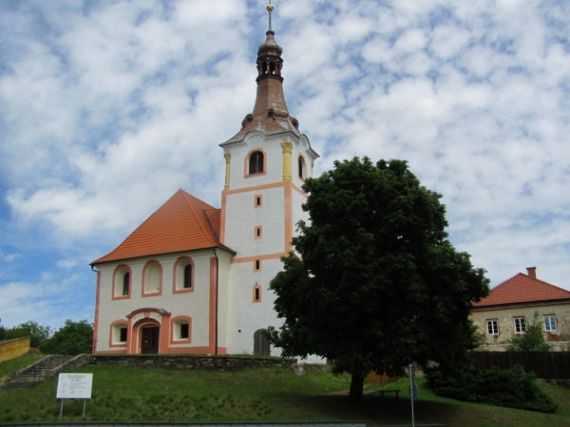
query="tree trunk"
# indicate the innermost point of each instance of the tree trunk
(356, 386)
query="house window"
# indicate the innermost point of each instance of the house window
(257, 265)
(119, 333)
(550, 323)
(492, 327)
(181, 329)
(256, 163)
(257, 200)
(122, 282)
(183, 275)
(302, 168)
(257, 293)
(257, 231)
(184, 331)
(152, 278)
(123, 334)
(520, 326)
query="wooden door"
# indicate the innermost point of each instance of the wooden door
(149, 339)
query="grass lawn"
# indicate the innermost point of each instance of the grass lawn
(268, 394)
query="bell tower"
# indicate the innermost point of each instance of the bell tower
(267, 161)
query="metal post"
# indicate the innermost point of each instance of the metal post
(84, 405)
(60, 409)
(412, 391)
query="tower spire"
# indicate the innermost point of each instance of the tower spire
(269, 10)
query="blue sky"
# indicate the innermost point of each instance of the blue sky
(108, 107)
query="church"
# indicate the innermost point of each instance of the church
(193, 278)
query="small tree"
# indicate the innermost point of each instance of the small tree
(71, 338)
(531, 340)
(38, 334)
(378, 285)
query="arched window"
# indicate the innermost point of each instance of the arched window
(152, 278)
(187, 277)
(183, 275)
(256, 162)
(126, 283)
(302, 168)
(122, 282)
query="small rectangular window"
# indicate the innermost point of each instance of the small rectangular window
(122, 334)
(184, 331)
(492, 327)
(550, 324)
(257, 200)
(257, 265)
(520, 325)
(257, 231)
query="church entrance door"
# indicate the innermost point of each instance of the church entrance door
(149, 339)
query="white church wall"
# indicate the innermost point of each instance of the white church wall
(194, 304)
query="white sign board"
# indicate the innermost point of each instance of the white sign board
(74, 386)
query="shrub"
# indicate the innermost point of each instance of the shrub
(71, 338)
(531, 340)
(504, 387)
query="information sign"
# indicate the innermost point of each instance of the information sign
(74, 386)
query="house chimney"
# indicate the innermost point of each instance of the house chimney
(531, 272)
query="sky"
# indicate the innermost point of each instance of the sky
(108, 107)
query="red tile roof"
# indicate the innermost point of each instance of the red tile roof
(521, 289)
(183, 223)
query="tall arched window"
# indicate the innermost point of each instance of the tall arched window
(187, 284)
(183, 275)
(122, 282)
(152, 279)
(256, 162)
(302, 168)
(126, 283)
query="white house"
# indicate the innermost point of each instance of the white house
(193, 278)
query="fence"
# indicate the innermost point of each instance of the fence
(545, 364)
(11, 349)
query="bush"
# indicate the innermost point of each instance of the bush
(504, 387)
(71, 338)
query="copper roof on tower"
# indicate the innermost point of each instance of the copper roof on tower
(183, 223)
(270, 114)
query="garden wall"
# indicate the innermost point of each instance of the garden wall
(10, 349)
(225, 363)
(545, 364)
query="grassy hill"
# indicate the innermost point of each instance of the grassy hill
(268, 394)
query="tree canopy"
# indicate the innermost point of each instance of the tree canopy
(71, 338)
(374, 283)
(38, 333)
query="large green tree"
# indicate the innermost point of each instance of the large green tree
(374, 283)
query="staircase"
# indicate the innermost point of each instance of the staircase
(45, 368)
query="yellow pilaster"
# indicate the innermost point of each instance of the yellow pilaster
(228, 157)
(287, 148)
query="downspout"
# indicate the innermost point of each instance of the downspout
(217, 302)
(96, 314)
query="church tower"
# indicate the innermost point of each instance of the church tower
(266, 164)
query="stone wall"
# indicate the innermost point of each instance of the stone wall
(10, 349)
(226, 363)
